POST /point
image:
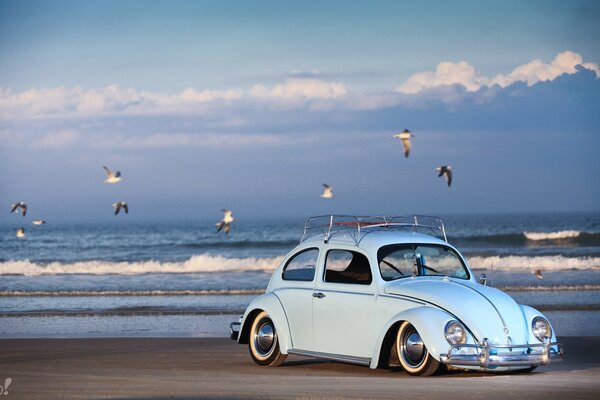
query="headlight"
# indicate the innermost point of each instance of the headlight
(541, 328)
(455, 333)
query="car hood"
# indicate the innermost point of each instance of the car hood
(485, 311)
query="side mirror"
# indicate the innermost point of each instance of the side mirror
(483, 279)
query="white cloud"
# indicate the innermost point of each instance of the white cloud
(59, 139)
(304, 88)
(461, 73)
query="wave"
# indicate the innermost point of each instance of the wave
(198, 263)
(551, 235)
(247, 292)
(546, 263)
(570, 237)
(130, 293)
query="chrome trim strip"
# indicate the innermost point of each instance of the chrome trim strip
(343, 292)
(405, 298)
(334, 357)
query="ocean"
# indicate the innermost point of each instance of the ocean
(184, 279)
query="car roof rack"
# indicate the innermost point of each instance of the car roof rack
(357, 226)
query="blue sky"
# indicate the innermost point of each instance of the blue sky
(252, 105)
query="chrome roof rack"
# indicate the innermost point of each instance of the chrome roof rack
(357, 226)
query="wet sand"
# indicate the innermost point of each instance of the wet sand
(136, 368)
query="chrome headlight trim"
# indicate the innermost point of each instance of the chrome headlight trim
(455, 333)
(541, 328)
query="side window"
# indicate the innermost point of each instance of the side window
(301, 267)
(343, 266)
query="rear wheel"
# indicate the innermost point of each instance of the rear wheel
(263, 343)
(412, 353)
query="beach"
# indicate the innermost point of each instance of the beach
(157, 368)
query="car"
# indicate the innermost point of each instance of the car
(390, 291)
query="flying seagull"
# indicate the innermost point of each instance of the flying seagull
(21, 205)
(327, 191)
(538, 274)
(447, 171)
(225, 223)
(21, 232)
(112, 177)
(120, 204)
(405, 137)
(38, 222)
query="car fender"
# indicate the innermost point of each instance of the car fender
(428, 321)
(529, 313)
(270, 303)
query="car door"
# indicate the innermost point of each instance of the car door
(344, 305)
(295, 294)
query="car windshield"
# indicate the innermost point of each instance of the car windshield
(402, 260)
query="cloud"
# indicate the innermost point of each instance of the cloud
(58, 140)
(305, 88)
(450, 84)
(463, 74)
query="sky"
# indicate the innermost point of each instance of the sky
(251, 106)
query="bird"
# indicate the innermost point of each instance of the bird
(120, 205)
(447, 171)
(405, 137)
(21, 205)
(21, 232)
(538, 274)
(38, 222)
(112, 177)
(327, 191)
(225, 223)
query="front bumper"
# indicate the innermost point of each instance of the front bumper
(488, 355)
(234, 330)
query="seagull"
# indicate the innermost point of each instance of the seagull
(120, 204)
(38, 222)
(21, 232)
(447, 171)
(225, 223)
(112, 177)
(538, 274)
(327, 191)
(21, 205)
(405, 137)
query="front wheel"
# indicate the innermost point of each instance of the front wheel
(412, 353)
(263, 343)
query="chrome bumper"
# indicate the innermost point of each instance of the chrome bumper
(504, 355)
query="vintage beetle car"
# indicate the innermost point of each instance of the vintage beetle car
(379, 291)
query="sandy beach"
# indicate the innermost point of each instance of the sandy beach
(156, 368)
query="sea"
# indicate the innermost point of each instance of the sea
(183, 279)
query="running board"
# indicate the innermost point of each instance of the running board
(333, 357)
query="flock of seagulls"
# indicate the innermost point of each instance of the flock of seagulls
(22, 208)
(405, 136)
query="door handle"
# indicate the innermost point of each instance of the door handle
(318, 295)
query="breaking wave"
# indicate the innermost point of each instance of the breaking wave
(551, 235)
(572, 238)
(198, 263)
(547, 263)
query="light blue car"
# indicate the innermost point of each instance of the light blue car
(389, 291)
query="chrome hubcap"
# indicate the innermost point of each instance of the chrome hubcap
(414, 347)
(265, 338)
(412, 350)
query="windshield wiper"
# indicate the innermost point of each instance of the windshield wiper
(392, 266)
